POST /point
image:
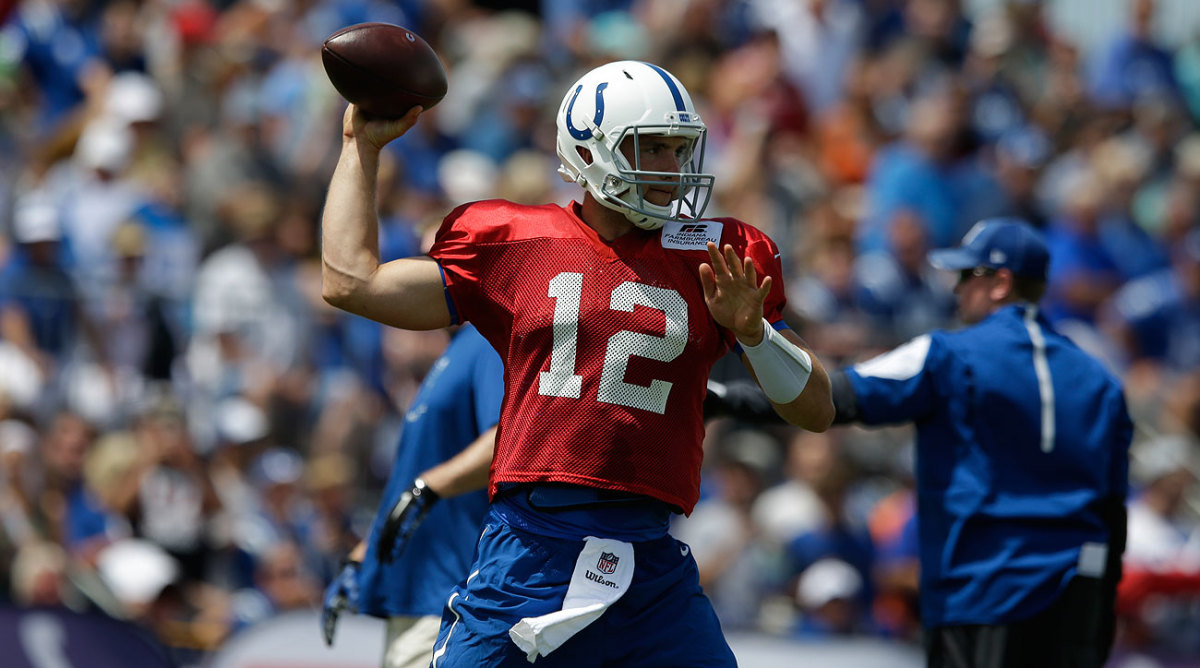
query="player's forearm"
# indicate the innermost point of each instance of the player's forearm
(813, 409)
(791, 376)
(465, 472)
(350, 225)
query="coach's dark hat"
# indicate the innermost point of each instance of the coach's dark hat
(998, 243)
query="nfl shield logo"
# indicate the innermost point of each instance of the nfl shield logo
(607, 563)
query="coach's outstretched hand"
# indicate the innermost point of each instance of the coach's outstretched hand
(342, 594)
(739, 399)
(408, 513)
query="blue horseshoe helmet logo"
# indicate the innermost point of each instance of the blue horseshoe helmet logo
(585, 133)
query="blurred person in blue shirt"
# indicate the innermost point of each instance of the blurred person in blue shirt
(1020, 155)
(838, 536)
(897, 571)
(56, 44)
(418, 548)
(1157, 317)
(40, 305)
(1133, 65)
(897, 288)
(914, 174)
(993, 77)
(43, 314)
(1084, 273)
(1021, 465)
(65, 508)
(1124, 166)
(827, 295)
(933, 171)
(566, 23)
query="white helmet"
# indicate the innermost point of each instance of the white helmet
(631, 98)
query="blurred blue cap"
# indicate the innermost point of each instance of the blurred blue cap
(998, 243)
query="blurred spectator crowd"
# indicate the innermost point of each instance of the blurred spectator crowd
(190, 438)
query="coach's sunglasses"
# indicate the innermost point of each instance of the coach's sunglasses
(967, 274)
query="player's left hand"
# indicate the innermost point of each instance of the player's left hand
(342, 594)
(733, 294)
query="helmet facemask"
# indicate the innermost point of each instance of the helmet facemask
(624, 189)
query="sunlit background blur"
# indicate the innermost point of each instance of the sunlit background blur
(191, 440)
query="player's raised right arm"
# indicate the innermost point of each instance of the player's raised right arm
(403, 293)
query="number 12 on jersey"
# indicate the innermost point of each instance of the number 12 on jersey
(566, 289)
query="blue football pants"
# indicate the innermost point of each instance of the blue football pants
(663, 620)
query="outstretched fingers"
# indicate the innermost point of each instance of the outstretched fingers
(718, 264)
(736, 269)
(708, 281)
(725, 268)
(765, 288)
(749, 271)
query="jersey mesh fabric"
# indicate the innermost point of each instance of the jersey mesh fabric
(607, 346)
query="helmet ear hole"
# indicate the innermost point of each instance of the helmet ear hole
(585, 154)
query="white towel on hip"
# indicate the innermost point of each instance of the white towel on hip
(603, 572)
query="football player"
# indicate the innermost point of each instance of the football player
(608, 314)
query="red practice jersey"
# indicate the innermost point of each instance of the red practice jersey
(607, 346)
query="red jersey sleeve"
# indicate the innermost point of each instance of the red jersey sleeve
(460, 249)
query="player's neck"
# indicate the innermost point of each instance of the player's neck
(609, 224)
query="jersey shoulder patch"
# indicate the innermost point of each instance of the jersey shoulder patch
(691, 234)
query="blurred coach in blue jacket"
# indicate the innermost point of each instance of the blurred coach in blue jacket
(1022, 464)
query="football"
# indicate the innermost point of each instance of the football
(383, 68)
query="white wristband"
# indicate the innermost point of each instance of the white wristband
(782, 367)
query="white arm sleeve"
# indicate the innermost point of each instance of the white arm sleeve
(782, 367)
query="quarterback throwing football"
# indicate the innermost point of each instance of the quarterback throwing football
(608, 314)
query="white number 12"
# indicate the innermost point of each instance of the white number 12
(562, 381)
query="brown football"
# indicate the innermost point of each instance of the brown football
(383, 68)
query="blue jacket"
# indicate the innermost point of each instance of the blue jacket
(1022, 438)
(459, 399)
